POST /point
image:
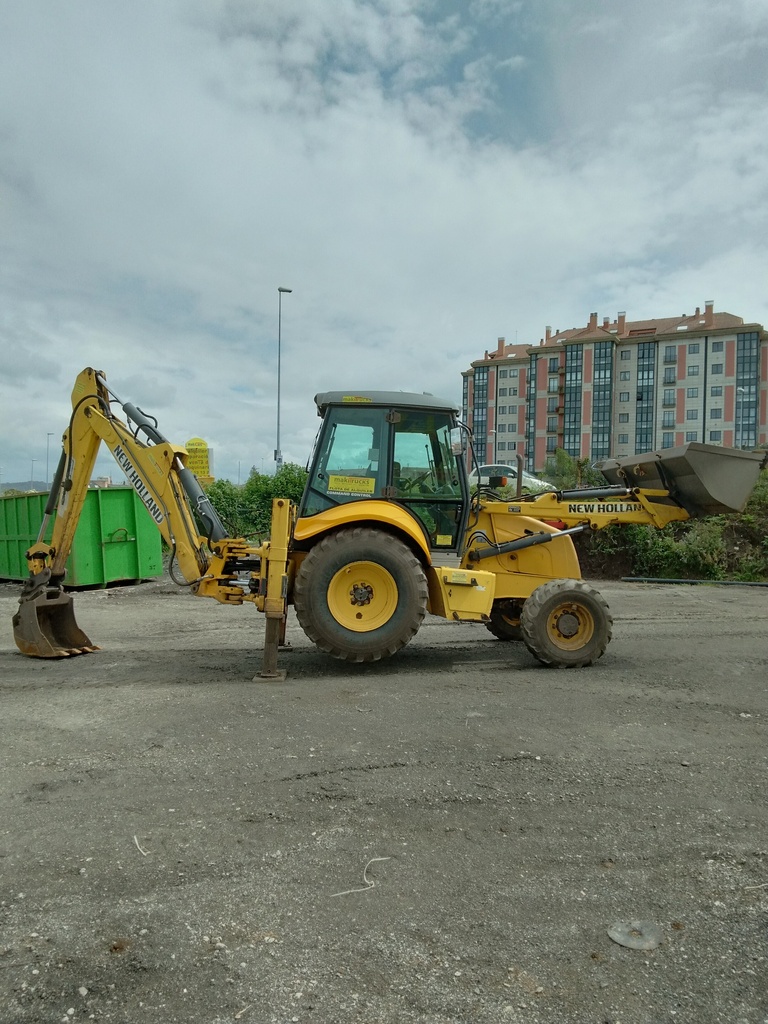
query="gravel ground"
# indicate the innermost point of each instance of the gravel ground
(448, 836)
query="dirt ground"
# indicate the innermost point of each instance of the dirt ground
(444, 837)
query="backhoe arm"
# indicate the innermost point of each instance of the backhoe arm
(211, 562)
(157, 472)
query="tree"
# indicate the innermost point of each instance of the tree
(247, 509)
(566, 471)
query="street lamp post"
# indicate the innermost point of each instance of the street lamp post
(32, 475)
(280, 293)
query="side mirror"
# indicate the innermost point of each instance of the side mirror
(458, 441)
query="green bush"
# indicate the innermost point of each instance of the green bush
(246, 510)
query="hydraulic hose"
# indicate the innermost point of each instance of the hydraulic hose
(213, 527)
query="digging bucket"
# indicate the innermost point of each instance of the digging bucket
(704, 479)
(45, 626)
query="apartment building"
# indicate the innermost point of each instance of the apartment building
(621, 387)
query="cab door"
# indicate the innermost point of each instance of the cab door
(427, 477)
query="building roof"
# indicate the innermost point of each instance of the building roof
(621, 329)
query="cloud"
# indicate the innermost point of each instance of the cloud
(426, 177)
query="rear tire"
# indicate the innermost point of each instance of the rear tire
(360, 595)
(566, 623)
(504, 622)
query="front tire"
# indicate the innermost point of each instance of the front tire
(566, 623)
(360, 595)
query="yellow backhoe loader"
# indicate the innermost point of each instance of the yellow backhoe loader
(386, 531)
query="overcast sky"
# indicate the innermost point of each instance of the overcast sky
(426, 175)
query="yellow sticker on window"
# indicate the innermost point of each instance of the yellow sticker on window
(351, 484)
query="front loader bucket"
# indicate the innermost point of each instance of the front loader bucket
(45, 627)
(704, 479)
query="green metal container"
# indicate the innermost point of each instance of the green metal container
(115, 539)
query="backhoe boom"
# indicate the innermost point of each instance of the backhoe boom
(211, 562)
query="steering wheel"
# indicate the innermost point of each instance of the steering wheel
(407, 484)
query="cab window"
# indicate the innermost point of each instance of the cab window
(350, 461)
(426, 476)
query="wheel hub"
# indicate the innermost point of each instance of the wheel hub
(362, 596)
(361, 593)
(568, 624)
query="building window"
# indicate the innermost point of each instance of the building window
(692, 414)
(670, 354)
(502, 392)
(626, 353)
(554, 364)
(552, 424)
(623, 438)
(693, 371)
(646, 391)
(693, 348)
(716, 414)
(667, 440)
(691, 435)
(717, 367)
(480, 412)
(623, 417)
(623, 396)
(715, 435)
(511, 446)
(669, 376)
(551, 444)
(625, 375)
(668, 419)
(502, 410)
(716, 392)
(692, 393)
(602, 399)
(513, 391)
(717, 346)
(571, 437)
(669, 397)
(501, 446)
(513, 373)
(552, 404)
(552, 384)
(529, 420)
(502, 373)
(746, 414)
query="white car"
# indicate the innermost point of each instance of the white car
(531, 483)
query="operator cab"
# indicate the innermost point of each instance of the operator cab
(391, 446)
